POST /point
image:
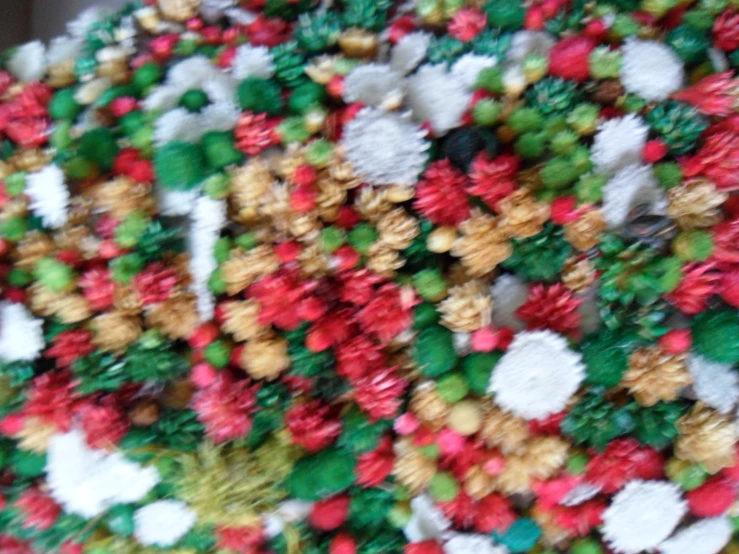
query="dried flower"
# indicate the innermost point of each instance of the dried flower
(521, 215)
(483, 244)
(695, 204)
(585, 232)
(707, 437)
(467, 308)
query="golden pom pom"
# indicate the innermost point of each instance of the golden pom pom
(654, 375)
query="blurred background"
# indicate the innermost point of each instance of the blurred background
(23, 20)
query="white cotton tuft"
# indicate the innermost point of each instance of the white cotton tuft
(252, 61)
(436, 96)
(467, 68)
(642, 515)
(427, 522)
(207, 219)
(707, 536)
(64, 48)
(714, 383)
(79, 26)
(619, 143)
(509, 293)
(537, 375)
(526, 43)
(28, 62)
(162, 523)
(409, 52)
(373, 84)
(650, 69)
(21, 334)
(472, 543)
(174, 203)
(385, 148)
(628, 188)
(212, 10)
(87, 481)
(49, 195)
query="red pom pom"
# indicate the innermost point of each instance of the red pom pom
(712, 498)
(424, 547)
(485, 339)
(729, 287)
(654, 151)
(343, 543)
(467, 24)
(330, 513)
(12, 425)
(569, 58)
(401, 27)
(203, 335)
(564, 210)
(551, 307)
(494, 513)
(676, 341)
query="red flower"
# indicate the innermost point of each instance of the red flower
(278, 295)
(621, 461)
(254, 133)
(494, 513)
(375, 466)
(712, 499)
(552, 492)
(11, 545)
(333, 328)
(423, 547)
(268, 32)
(155, 283)
(357, 357)
(726, 30)
(330, 513)
(39, 510)
(244, 540)
(380, 394)
(105, 424)
(312, 426)
(716, 94)
(718, 156)
(462, 510)
(225, 407)
(389, 313)
(569, 58)
(52, 399)
(729, 287)
(97, 288)
(70, 345)
(492, 179)
(698, 284)
(551, 307)
(358, 286)
(726, 242)
(581, 519)
(130, 163)
(441, 196)
(467, 24)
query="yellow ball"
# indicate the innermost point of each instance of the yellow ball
(465, 417)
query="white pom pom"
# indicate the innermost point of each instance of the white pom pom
(28, 62)
(468, 67)
(707, 536)
(21, 334)
(409, 52)
(537, 375)
(49, 195)
(628, 188)
(385, 148)
(714, 383)
(373, 84)
(650, 69)
(64, 48)
(163, 523)
(509, 293)
(642, 515)
(469, 543)
(618, 143)
(525, 43)
(427, 522)
(437, 96)
(252, 61)
(81, 24)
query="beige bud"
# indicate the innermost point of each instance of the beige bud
(465, 418)
(441, 239)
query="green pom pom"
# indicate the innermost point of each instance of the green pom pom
(194, 100)
(64, 106)
(61, 138)
(15, 183)
(525, 120)
(260, 95)
(430, 284)
(306, 96)
(486, 112)
(595, 421)
(359, 434)
(128, 232)
(99, 146)
(693, 245)
(362, 237)
(27, 464)
(146, 76)
(577, 463)
(564, 143)
(293, 130)
(434, 351)
(219, 149)
(53, 274)
(217, 353)
(367, 14)
(247, 241)
(504, 14)
(331, 238)
(624, 26)
(443, 487)
(425, 315)
(589, 188)
(655, 426)
(222, 249)
(477, 369)
(370, 508)
(688, 476)
(604, 63)
(668, 174)
(531, 145)
(324, 474)
(126, 267)
(120, 520)
(319, 153)
(606, 356)
(690, 43)
(179, 165)
(490, 79)
(521, 536)
(584, 119)
(716, 335)
(452, 387)
(216, 284)
(553, 96)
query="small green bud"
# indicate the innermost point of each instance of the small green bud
(362, 237)
(531, 145)
(452, 387)
(585, 546)
(589, 188)
(319, 153)
(53, 274)
(424, 315)
(15, 183)
(194, 100)
(623, 26)
(693, 245)
(217, 186)
(60, 136)
(129, 231)
(217, 353)
(19, 278)
(525, 120)
(558, 173)
(657, 8)
(604, 63)
(146, 75)
(293, 130)
(247, 241)
(222, 249)
(430, 284)
(443, 487)
(486, 112)
(14, 228)
(577, 462)
(668, 174)
(126, 267)
(564, 143)
(535, 67)
(216, 284)
(633, 103)
(584, 119)
(332, 238)
(490, 79)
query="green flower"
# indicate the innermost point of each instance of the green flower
(553, 96)
(716, 335)
(595, 422)
(655, 426)
(366, 14)
(541, 257)
(446, 49)
(289, 62)
(504, 14)
(53, 274)
(260, 95)
(320, 475)
(318, 31)
(359, 434)
(678, 124)
(689, 43)
(179, 165)
(434, 351)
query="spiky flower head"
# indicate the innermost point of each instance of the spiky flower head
(437, 96)
(642, 515)
(49, 195)
(537, 375)
(21, 335)
(619, 143)
(631, 186)
(374, 85)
